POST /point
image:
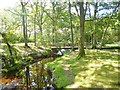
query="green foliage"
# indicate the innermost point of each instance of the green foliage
(12, 25)
(12, 37)
(3, 70)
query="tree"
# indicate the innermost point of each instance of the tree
(27, 78)
(9, 48)
(35, 15)
(41, 20)
(24, 23)
(53, 22)
(38, 12)
(95, 22)
(71, 27)
(53, 18)
(81, 16)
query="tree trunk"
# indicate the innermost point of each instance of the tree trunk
(81, 42)
(9, 48)
(53, 22)
(23, 23)
(103, 35)
(26, 32)
(94, 33)
(71, 25)
(35, 29)
(41, 23)
(35, 18)
(91, 34)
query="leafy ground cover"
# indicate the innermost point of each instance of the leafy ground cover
(98, 69)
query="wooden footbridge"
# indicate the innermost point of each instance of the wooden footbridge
(88, 47)
(64, 47)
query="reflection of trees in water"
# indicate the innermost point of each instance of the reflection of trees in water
(42, 78)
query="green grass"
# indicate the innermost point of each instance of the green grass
(99, 69)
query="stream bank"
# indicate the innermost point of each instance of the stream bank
(35, 74)
(39, 77)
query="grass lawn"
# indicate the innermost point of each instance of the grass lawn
(98, 69)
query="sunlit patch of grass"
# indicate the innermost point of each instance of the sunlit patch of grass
(98, 69)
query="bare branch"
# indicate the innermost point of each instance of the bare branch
(48, 14)
(85, 9)
(26, 2)
(77, 10)
(13, 12)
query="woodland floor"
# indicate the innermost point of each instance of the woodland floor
(98, 69)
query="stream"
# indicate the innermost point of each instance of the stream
(39, 77)
(35, 76)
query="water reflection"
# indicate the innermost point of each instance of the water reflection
(41, 77)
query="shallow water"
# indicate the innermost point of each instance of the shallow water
(39, 77)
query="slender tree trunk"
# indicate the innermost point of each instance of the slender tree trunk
(103, 35)
(35, 29)
(40, 23)
(91, 34)
(94, 38)
(35, 18)
(41, 34)
(40, 27)
(94, 34)
(26, 44)
(41, 17)
(23, 22)
(71, 25)
(53, 22)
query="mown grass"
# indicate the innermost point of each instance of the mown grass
(98, 69)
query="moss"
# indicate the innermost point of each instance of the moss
(97, 68)
(60, 76)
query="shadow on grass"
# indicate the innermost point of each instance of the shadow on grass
(99, 69)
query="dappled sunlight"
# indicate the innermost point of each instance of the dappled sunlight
(66, 67)
(101, 70)
(75, 85)
(23, 51)
(66, 58)
(27, 50)
(60, 62)
(94, 65)
(95, 70)
(58, 45)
